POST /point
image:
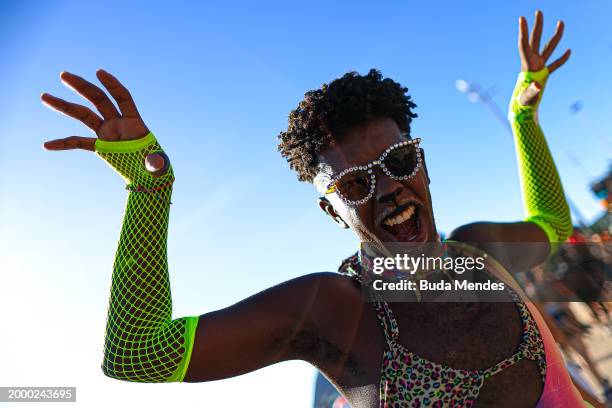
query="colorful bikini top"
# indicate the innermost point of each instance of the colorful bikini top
(408, 380)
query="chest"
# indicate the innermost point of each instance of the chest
(460, 335)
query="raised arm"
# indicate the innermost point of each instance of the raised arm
(546, 210)
(543, 196)
(143, 343)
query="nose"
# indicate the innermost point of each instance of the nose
(388, 197)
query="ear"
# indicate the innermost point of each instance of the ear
(329, 209)
(425, 165)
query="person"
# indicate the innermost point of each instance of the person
(379, 354)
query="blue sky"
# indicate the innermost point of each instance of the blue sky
(215, 82)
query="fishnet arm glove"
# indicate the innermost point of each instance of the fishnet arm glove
(143, 343)
(543, 197)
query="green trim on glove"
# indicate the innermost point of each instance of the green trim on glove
(543, 197)
(124, 146)
(143, 343)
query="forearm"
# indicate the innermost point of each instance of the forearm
(142, 341)
(543, 197)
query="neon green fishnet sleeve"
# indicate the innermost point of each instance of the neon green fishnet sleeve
(143, 343)
(543, 197)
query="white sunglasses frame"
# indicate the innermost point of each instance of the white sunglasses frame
(369, 167)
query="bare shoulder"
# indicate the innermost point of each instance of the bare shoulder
(326, 303)
(319, 285)
(323, 294)
(517, 245)
(333, 311)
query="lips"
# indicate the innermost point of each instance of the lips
(403, 222)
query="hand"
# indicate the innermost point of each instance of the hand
(531, 59)
(112, 126)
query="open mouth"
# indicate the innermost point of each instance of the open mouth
(404, 223)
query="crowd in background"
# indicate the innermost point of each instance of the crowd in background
(578, 276)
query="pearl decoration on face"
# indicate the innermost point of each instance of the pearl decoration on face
(331, 188)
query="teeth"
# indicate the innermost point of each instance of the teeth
(403, 216)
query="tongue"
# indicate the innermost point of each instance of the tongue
(407, 230)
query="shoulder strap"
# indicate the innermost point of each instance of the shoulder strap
(387, 320)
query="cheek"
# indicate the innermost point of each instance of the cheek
(360, 221)
(341, 208)
(420, 187)
(351, 215)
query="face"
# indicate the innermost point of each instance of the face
(399, 210)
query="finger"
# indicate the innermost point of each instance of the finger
(119, 92)
(523, 40)
(79, 112)
(552, 44)
(72, 142)
(92, 93)
(560, 61)
(536, 32)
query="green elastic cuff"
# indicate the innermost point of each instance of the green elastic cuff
(192, 324)
(538, 76)
(124, 146)
(518, 111)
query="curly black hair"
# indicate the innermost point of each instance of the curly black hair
(326, 114)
